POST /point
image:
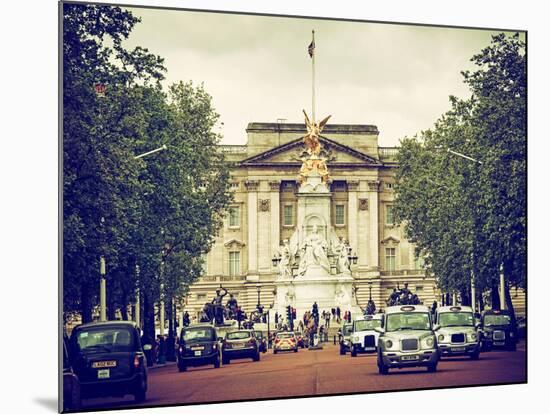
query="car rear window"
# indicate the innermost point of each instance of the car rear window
(104, 339)
(198, 334)
(238, 335)
(285, 335)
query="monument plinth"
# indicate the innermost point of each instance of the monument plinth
(314, 263)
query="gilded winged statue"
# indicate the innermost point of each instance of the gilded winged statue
(311, 139)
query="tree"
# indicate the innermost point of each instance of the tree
(100, 176)
(137, 213)
(464, 216)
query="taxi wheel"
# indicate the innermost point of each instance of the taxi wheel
(512, 347)
(182, 367)
(296, 349)
(274, 351)
(256, 357)
(383, 370)
(217, 362)
(140, 394)
(342, 351)
(353, 352)
(226, 361)
(475, 356)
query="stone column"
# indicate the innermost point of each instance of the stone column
(353, 233)
(274, 187)
(252, 208)
(374, 245)
(363, 226)
(265, 208)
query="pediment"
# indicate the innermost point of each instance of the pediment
(234, 243)
(390, 240)
(291, 152)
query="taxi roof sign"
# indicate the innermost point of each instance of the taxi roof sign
(407, 308)
(455, 308)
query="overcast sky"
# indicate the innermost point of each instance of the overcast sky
(257, 68)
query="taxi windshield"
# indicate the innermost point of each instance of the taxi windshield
(105, 340)
(489, 320)
(456, 319)
(408, 321)
(238, 335)
(366, 325)
(347, 329)
(203, 334)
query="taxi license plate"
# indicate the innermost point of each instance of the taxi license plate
(499, 343)
(197, 353)
(104, 364)
(239, 345)
(197, 348)
(409, 357)
(370, 348)
(103, 373)
(459, 349)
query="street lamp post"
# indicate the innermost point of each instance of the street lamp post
(258, 289)
(103, 282)
(102, 291)
(137, 308)
(472, 275)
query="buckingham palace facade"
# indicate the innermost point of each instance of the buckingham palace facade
(264, 180)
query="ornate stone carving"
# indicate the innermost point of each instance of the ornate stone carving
(263, 205)
(252, 185)
(363, 204)
(374, 185)
(353, 185)
(274, 185)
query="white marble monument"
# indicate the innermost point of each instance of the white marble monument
(314, 264)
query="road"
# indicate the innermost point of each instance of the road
(317, 372)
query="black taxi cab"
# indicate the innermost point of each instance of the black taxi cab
(198, 345)
(498, 330)
(108, 359)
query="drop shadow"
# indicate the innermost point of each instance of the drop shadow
(49, 403)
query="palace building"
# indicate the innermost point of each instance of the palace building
(265, 181)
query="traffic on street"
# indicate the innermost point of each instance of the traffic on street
(316, 372)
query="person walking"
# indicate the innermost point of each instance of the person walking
(338, 313)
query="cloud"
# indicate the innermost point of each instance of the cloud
(257, 69)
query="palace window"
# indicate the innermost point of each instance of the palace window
(390, 258)
(339, 215)
(288, 215)
(234, 263)
(389, 215)
(201, 296)
(419, 289)
(389, 186)
(235, 216)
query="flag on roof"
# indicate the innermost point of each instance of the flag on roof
(311, 48)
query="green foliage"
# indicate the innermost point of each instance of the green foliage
(166, 207)
(464, 216)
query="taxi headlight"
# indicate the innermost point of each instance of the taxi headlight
(355, 338)
(429, 342)
(388, 343)
(441, 338)
(473, 337)
(511, 334)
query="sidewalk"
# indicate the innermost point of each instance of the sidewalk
(167, 364)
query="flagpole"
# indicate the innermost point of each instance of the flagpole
(313, 77)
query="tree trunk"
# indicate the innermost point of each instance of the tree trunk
(86, 303)
(148, 316)
(465, 297)
(124, 306)
(495, 296)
